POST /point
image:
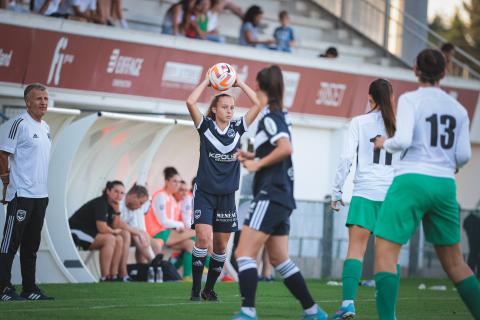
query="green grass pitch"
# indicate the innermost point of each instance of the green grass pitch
(170, 301)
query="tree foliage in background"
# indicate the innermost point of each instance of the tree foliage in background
(463, 34)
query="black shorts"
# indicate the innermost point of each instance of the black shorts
(268, 217)
(219, 211)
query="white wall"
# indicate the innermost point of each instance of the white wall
(312, 162)
(468, 181)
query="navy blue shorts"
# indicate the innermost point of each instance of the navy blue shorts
(268, 217)
(219, 211)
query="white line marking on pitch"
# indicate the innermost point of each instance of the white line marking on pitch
(158, 305)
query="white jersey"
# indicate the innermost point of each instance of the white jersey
(134, 218)
(374, 172)
(28, 142)
(432, 134)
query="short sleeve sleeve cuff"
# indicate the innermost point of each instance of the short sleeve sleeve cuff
(6, 148)
(278, 136)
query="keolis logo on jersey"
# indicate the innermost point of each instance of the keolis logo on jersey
(59, 59)
(222, 157)
(331, 94)
(125, 65)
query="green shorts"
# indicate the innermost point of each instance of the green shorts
(363, 213)
(413, 198)
(163, 235)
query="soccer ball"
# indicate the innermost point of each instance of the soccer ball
(222, 76)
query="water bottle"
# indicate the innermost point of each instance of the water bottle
(151, 274)
(159, 274)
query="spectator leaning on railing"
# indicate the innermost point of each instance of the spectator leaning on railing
(96, 226)
(249, 29)
(212, 22)
(172, 22)
(195, 21)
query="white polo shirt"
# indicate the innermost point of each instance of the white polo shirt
(28, 141)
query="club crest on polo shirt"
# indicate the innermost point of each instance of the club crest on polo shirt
(198, 213)
(231, 133)
(21, 214)
(35, 136)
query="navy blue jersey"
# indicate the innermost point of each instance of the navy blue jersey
(218, 169)
(275, 182)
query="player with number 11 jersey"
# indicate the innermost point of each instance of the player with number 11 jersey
(373, 176)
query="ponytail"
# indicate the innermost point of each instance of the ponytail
(381, 91)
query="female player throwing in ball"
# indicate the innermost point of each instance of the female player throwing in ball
(217, 180)
(268, 221)
(373, 176)
(433, 139)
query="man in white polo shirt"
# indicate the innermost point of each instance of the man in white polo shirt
(24, 156)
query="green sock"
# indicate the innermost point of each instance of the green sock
(187, 264)
(387, 292)
(352, 271)
(470, 292)
(398, 285)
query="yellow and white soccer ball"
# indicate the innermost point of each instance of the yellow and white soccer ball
(222, 76)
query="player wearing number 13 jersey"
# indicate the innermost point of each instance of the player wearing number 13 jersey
(432, 138)
(373, 176)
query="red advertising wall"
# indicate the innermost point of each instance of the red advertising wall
(94, 64)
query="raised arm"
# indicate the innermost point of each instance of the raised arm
(193, 99)
(256, 108)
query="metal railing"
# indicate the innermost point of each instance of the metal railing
(376, 18)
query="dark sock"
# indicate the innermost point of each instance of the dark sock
(198, 262)
(293, 280)
(216, 266)
(248, 279)
(469, 290)
(387, 292)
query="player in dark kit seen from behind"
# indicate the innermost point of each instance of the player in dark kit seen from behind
(268, 221)
(25, 145)
(218, 176)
